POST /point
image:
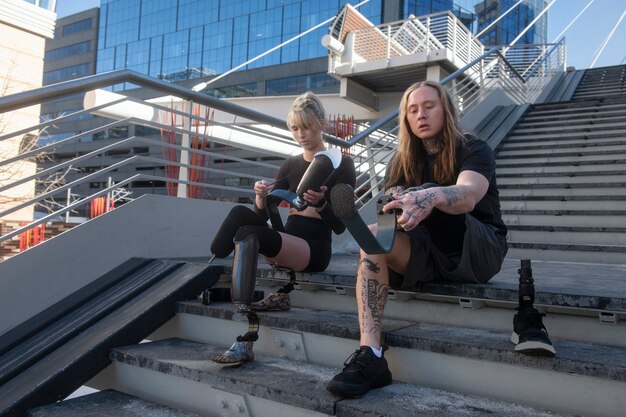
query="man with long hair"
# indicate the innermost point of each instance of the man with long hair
(450, 229)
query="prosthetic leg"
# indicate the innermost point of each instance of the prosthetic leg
(242, 291)
(529, 334)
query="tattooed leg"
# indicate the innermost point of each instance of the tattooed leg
(372, 288)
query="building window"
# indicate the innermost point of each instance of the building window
(75, 71)
(299, 83)
(80, 26)
(237, 182)
(67, 51)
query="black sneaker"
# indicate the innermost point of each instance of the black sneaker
(362, 371)
(530, 335)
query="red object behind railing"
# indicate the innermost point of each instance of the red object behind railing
(32, 236)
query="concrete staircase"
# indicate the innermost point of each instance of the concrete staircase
(562, 175)
(449, 352)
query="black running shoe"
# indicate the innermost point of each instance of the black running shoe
(362, 371)
(529, 334)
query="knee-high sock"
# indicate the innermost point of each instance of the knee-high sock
(244, 270)
(222, 244)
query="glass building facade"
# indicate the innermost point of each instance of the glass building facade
(179, 40)
(511, 25)
(188, 39)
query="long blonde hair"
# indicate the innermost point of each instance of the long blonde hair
(307, 111)
(407, 162)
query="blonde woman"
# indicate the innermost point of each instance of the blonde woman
(306, 243)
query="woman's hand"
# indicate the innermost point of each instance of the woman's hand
(315, 198)
(261, 189)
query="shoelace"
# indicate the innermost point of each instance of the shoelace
(357, 360)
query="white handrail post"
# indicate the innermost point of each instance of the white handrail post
(388, 42)
(67, 203)
(372, 168)
(185, 143)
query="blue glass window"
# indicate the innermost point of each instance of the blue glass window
(67, 51)
(76, 27)
(75, 71)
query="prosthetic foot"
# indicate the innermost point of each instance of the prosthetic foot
(242, 291)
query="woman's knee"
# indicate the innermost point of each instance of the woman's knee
(270, 240)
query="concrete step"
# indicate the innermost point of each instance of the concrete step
(566, 253)
(273, 386)
(601, 193)
(108, 403)
(577, 119)
(590, 94)
(591, 135)
(616, 87)
(597, 105)
(591, 113)
(609, 206)
(441, 356)
(576, 295)
(585, 159)
(567, 129)
(595, 148)
(585, 142)
(573, 170)
(568, 235)
(564, 220)
(566, 181)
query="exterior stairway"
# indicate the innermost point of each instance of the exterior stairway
(562, 175)
(449, 348)
(449, 352)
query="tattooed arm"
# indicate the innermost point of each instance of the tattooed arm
(459, 198)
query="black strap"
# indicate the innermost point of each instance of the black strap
(272, 200)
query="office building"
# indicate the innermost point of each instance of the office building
(195, 41)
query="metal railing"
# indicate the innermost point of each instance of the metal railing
(216, 146)
(416, 35)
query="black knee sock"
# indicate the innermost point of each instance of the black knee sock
(270, 240)
(222, 244)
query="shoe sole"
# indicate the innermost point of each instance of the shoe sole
(239, 362)
(253, 308)
(355, 391)
(532, 347)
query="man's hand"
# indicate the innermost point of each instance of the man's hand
(415, 206)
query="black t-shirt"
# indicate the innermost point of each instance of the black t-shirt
(446, 230)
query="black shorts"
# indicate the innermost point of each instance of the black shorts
(318, 235)
(482, 256)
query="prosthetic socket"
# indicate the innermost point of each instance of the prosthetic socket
(316, 175)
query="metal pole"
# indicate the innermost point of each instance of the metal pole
(185, 143)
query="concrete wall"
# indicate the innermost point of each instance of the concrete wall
(149, 227)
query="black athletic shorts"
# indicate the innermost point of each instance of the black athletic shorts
(482, 256)
(317, 234)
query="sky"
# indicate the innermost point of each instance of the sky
(584, 38)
